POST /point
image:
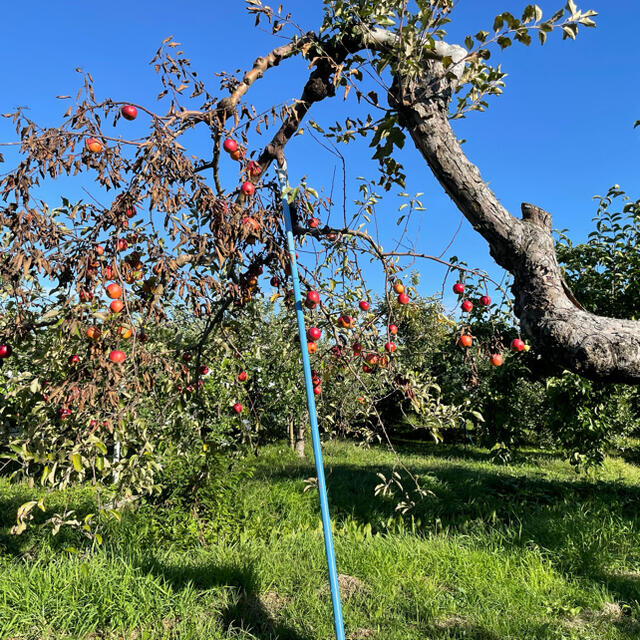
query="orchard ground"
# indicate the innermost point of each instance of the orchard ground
(529, 550)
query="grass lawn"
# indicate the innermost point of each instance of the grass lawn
(529, 550)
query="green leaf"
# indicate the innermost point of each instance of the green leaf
(101, 447)
(76, 460)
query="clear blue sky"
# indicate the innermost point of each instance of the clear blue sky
(561, 133)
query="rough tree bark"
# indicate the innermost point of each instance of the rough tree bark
(593, 346)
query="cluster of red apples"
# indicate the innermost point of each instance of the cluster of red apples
(346, 322)
(466, 340)
(253, 168)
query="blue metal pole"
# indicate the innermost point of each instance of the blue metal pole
(313, 416)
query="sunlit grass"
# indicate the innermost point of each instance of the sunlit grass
(529, 550)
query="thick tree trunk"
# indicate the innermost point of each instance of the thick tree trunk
(565, 334)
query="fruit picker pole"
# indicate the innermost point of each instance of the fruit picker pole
(313, 416)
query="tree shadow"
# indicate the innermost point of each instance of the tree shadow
(456, 628)
(406, 445)
(630, 453)
(247, 608)
(626, 585)
(562, 517)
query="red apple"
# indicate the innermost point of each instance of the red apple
(313, 334)
(129, 112)
(458, 288)
(230, 145)
(314, 223)
(242, 376)
(485, 300)
(393, 329)
(74, 359)
(390, 347)
(100, 250)
(466, 305)
(313, 297)
(204, 369)
(345, 321)
(275, 281)
(117, 356)
(116, 306)
(312, 347)
(364, 305)
(357, 348)
(114, 290)
(5, 350)
(465, 340)
(237, 407)
(94, 145)
(403, 298)
(496, 360)
(517, 345)
(317, 390)
(247, 188)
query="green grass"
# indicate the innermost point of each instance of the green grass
(529, 550)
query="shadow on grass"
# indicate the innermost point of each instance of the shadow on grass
(247, 609)
(579, 524)
(630, 454)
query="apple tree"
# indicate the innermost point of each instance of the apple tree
(163, 237)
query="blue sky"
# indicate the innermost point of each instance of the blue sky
(561, 133)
